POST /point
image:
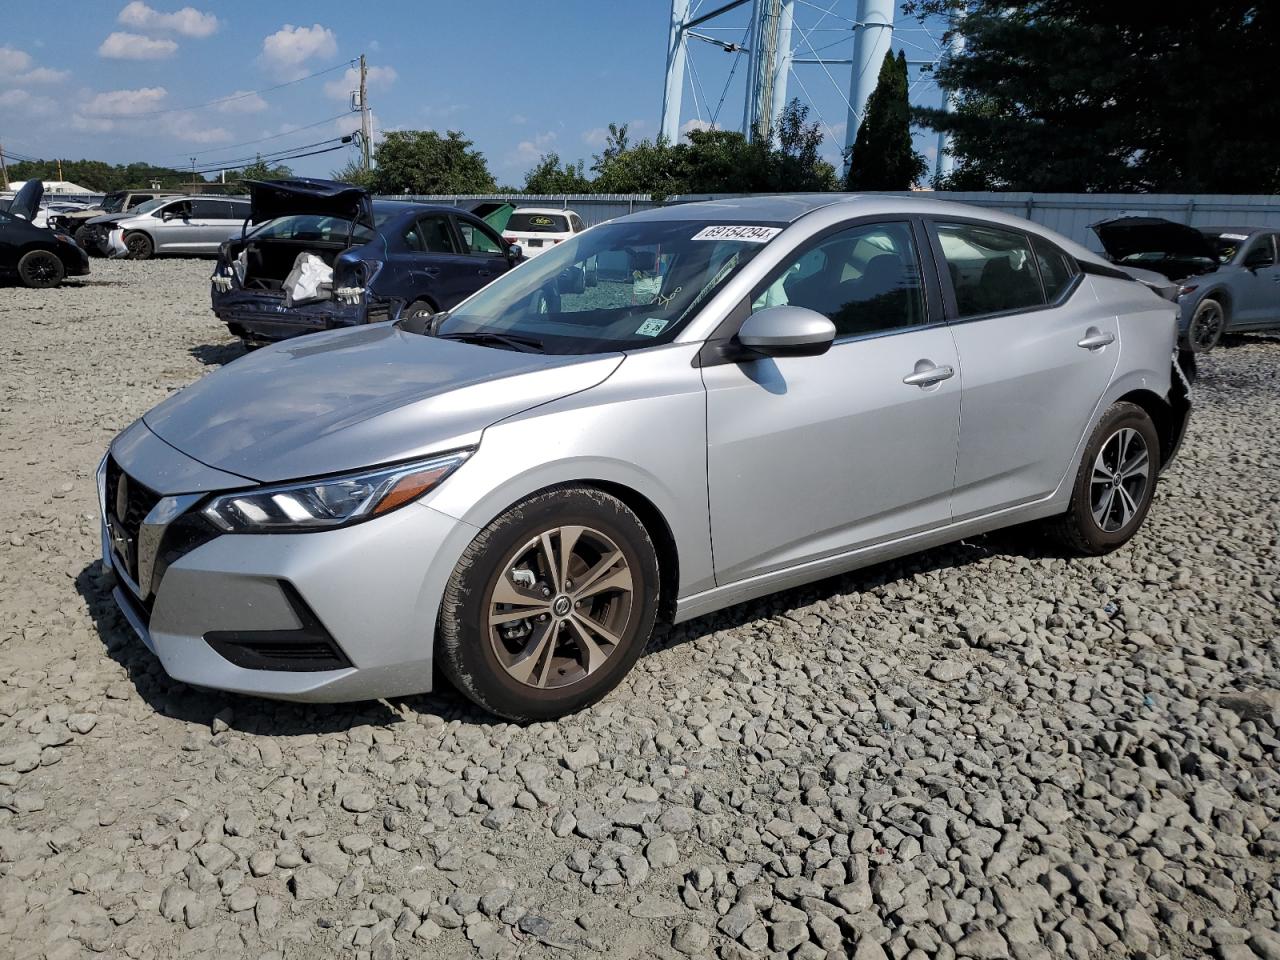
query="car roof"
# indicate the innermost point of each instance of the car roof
(409, 206)
(1243, 231)
(561, 211)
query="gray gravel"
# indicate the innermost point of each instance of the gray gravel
(985, 751)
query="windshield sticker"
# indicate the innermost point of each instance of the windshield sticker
(1233, 236)
(743, 231)
(542, 221)
(651, 327)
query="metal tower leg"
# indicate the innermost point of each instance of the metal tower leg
(782, 63)
(871, 41)
(674, 89)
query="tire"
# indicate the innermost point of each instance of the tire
(529, 668)
(1206, 326)
(40, 269)
(81, 237)
(140, 246)
(1104, 515)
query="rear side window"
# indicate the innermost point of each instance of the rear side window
(1057, 270)
(435, 236)
(208, 209)
(992, 270)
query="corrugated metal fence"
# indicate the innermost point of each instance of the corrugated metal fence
(1067, 213)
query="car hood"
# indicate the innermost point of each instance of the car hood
(269, 199)
(1125, 236)
(347, 399)
(112, 218)
(26, 201)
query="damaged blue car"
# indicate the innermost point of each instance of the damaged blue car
(318, 254)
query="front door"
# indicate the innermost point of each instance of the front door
(1257, 284)
(809, 457)
(1037, 352)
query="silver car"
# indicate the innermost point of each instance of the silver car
(518, 491)
(181, 225)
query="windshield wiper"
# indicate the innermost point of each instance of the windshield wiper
(484, 337)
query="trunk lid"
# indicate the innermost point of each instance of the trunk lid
(26, 201)
(269, 199)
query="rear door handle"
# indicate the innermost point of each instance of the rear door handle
(927, 376)
(1095, 339)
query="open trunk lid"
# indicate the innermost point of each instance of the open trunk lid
(26, 201)
(269, 199)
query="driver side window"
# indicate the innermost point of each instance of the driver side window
(865, 279)
(476, 240)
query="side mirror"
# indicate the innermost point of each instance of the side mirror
(787, 332)
(167, 215)
(514, 251)
(571, 280)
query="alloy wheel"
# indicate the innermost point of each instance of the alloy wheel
(560, 607)
(1121, 476)
(1206, 326)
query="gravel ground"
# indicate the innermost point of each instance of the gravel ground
(985, 751)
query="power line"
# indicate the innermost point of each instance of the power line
(247, 143)
(230, 99)
(279, 159)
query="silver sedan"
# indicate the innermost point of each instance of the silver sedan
(754, 394)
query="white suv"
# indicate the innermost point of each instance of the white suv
(537, 229)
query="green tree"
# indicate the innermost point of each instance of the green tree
(1090, 95)
(882, 156)
(548, 176)
(423, 161)
(262, 170)
(651, 166)
(99, 176)
(795, 165)
(353, 172)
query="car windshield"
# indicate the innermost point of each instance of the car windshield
(537, 223)
(113, 203)
(148, 205)
(1226, 244)
(313, 228)
(621, 286)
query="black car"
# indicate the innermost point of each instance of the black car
(389, 259)
(37, 256)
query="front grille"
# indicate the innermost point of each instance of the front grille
(125, 515)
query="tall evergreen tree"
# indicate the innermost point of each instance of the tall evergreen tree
(882, 156)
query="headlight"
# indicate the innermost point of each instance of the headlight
(333, 501)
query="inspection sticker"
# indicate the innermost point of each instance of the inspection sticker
(651, 327)
(738, 231)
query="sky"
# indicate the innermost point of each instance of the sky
(132, 81)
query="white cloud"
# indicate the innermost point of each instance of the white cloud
(529, 151)
(376, 78)
(134, 46)
(246, 101)
(124, 103)
(595, 137)
(21, 101)
(91, 124)
(286, 50)
(519, 119)
(13, 61)
(189, 22)
(696, 124)
(188, 128)
(44, 75)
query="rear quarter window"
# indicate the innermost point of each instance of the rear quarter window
(1057, 270)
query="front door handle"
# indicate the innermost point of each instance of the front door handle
(926, 374)
(1095, 339)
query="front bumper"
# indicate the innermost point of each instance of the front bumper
(263, 318)
(253, 613)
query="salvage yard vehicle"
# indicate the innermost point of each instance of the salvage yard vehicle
(518, 490)
(537, 229)
(118, 202)
(388, 259)
(1228, 277)
(180, 225)
(36, 256)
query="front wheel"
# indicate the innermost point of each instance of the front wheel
(40, 269)
(1206, 326)
(139, 246)
(550, 605)
(1115, 483)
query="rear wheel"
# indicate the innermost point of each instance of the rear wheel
(1115, 483)
(550, 605)
(139, 246)
(1207, 324)
(40, 269)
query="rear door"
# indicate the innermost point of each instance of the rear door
(429, 264)
(811, 457)
(1037, 352)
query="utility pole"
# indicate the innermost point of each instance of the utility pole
(59, 168)
(4, 171)
(366, 120)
